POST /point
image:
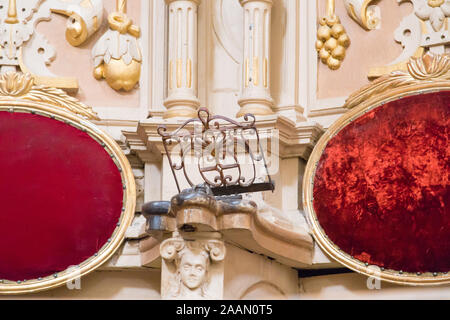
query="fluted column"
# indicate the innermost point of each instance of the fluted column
(256, 96)
(182, 100)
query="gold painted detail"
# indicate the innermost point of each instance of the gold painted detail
(432, 68)
(179, 75)
(255, 71)
(189, 73)
(12, 13)
(171, 74)
(332, 40)
(247, 73)
(77, 31)
(435, 3)
(118, 55)
(22, 86)
(265, 71)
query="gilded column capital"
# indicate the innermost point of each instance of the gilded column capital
(244, 2)
(197, 2)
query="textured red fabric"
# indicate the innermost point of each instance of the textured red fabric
(60, 196)
(381, 189)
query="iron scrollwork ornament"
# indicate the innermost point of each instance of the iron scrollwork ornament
(218, 151)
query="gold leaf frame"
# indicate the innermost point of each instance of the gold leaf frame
(15, 96)
(428, 74)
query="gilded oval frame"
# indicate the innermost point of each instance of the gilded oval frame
(370, 102)
(10, 104)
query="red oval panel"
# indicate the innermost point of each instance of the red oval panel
(381, 189)
(60, 196)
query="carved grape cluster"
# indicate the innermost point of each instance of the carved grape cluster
(332, 42)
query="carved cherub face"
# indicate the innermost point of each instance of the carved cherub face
(193, 269)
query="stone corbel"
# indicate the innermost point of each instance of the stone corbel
(238, 220)
(192, 268)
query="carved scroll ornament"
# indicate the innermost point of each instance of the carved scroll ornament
(23, 49)
(366, 15)
(425, 28)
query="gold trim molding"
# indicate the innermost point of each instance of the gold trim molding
(18, 93)
(431, 69)
(426, 74)
(22, 86)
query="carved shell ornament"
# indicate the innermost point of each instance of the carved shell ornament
(117, 54)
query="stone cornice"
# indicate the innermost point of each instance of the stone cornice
(295, 139)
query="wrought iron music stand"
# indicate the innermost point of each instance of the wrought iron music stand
(217, 145)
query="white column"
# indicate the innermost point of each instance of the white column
(256, 96)
(182, 100)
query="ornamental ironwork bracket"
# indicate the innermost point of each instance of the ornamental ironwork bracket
(217, 151)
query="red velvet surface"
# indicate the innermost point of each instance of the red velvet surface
(381, 189)
(60, 196)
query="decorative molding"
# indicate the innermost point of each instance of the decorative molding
(27, 51)
(117, 54)
(432, 69)
(366, 15)
(294, 139)
(425, 28)
(18, 86)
